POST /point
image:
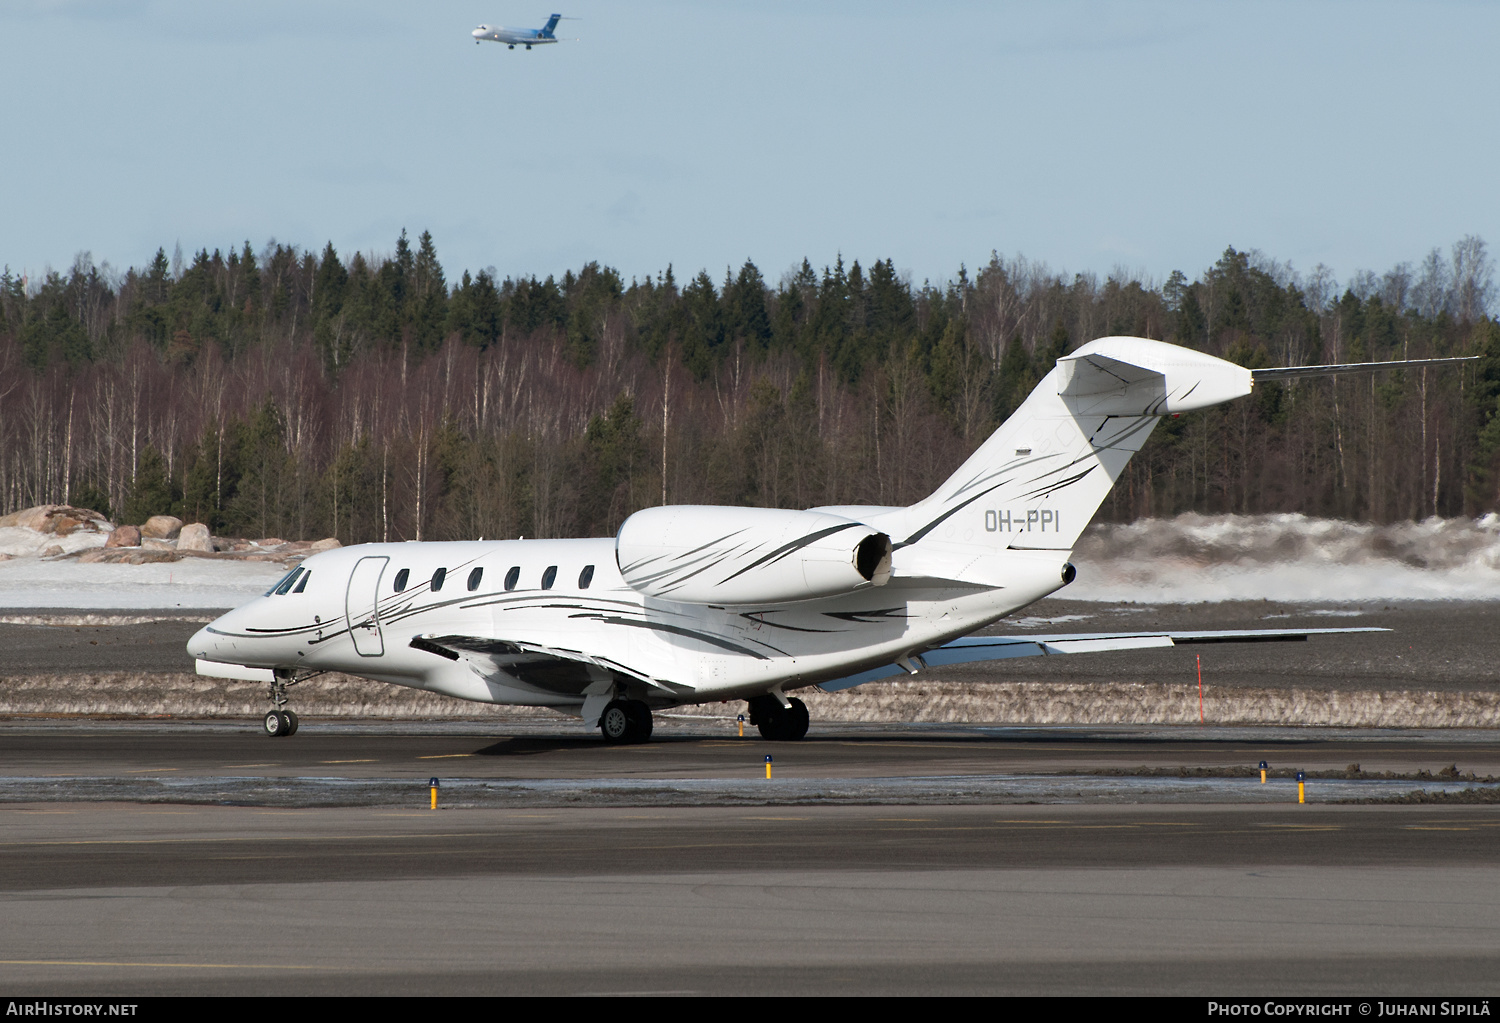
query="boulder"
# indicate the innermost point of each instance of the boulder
(126, 556)
(124, 536)
(60, 519)
(54, 551)
(162, 527)
(144, 557)
(328, 543)
(195, 537)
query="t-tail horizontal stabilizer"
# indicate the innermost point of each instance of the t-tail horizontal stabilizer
(1298, 372)
(999, 648)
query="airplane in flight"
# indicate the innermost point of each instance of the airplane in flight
(511, 37)
(691, 604)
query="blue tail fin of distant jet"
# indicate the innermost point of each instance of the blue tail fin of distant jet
(551, 24)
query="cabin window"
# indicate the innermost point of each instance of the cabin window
(512, 577)
(401, 578)
(302, 584)
(283, 581)
(549, 577)
(585, 577)
(474, 578)
(437, 579)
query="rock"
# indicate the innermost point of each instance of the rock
(124, 536)
(126, 556)
(162, 527)
(270, 541)
(144, 557)
(328, 543)
(195, 537)
(61, 519)
(53, 551)
(30, 518)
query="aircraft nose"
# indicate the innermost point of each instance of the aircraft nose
(202, 645)
(477, 33)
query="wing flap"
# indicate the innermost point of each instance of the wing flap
(551, 669)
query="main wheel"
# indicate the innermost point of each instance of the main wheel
(640, 720)
(797, 719)
(776, 722)
(291, 717)
(275, 724)
(616, 722)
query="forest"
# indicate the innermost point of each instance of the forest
(293, 393)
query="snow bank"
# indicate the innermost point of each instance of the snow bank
(1287, 558)
(190, 583)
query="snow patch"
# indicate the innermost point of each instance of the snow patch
(1290, 558)
(190, 583)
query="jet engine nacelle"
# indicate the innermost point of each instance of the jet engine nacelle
(700, 554)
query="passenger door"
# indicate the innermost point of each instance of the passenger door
(361, 606)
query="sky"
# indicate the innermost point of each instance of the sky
(1092, 136)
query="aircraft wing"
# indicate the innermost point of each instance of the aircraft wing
(997, 648)
(552, 669)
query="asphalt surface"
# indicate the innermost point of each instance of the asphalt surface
(128, 900)
(697, 749)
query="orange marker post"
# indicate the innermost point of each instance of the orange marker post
(1200, 687)
(433, 782)
(768, 767)
(742, 726)
(1301, 789)
(1262, 772)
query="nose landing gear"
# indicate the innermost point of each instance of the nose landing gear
(280, 722)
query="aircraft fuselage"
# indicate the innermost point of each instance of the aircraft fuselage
(359, 609)
(528, 37)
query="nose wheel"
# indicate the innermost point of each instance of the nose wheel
(280, 722)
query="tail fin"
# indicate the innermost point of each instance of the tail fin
(551, 24)
(1041, 477)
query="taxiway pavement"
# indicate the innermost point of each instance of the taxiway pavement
(124, 899)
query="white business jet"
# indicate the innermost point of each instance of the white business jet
(690, 604)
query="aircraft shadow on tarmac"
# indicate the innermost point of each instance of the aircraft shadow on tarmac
(536, 745)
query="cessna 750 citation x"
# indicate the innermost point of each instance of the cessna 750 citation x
(694, 604)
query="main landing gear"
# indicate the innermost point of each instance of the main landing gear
(280, 721)
(778, 722)
(625, 721)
